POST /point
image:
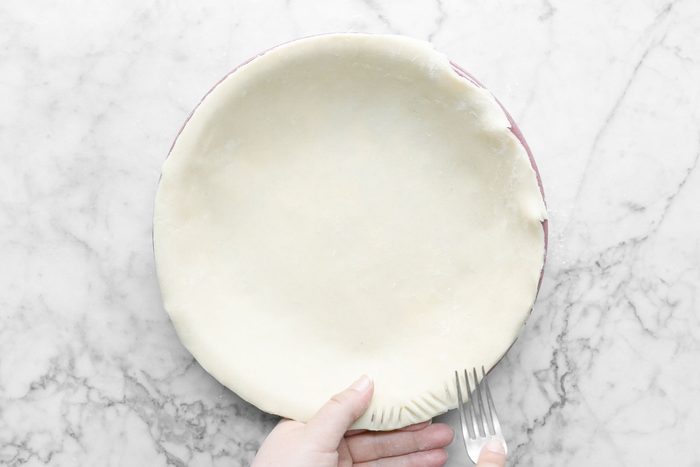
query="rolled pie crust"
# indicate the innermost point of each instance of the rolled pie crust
(348, 204)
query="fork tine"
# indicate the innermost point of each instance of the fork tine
(492, 406)
(490, 419)
(460, 408)
(472, 409)
(483, 427)
(469, 419)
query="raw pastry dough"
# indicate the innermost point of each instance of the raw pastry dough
(348, 204)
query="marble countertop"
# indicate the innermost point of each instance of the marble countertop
(607, 370)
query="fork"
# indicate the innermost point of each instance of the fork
(478, 424)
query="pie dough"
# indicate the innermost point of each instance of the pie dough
(348, 204)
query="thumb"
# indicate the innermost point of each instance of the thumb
(329, 425)
(493, 454)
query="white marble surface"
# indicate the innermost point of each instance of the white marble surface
(607, 371)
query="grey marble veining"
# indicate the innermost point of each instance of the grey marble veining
(92, 94)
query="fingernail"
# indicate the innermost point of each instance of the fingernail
(362, 384)
(495, 445)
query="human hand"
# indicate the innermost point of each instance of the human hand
(492, 455)
(325, 442)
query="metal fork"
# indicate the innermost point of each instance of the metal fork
(479, 421)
